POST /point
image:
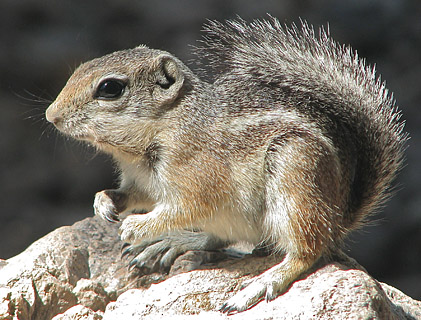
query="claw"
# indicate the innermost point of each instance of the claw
(132, 264)
(135, 264)
(124, 245)
(126, 250)
(225, 308)
(113, 218)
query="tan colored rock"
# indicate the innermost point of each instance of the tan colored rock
(45, 279)
(79, 312)
(335, 291)
(76, 273)
(91, 294)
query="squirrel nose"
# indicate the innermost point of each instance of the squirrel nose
(52, 115)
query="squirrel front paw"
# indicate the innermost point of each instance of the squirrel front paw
(104, 206)
(134, 228)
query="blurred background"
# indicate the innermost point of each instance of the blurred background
(48, 181)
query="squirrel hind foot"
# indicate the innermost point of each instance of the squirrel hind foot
(268, 285)
(159, 254)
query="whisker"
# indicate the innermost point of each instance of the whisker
(33, 98)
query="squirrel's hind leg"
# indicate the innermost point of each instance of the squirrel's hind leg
(268, 285)
(302, 214)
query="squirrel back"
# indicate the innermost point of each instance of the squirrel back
(327, 84)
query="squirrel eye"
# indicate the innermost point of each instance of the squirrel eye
(110, 89)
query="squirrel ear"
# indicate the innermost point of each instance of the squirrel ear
(168, 77)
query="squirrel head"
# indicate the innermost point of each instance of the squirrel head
(119, 100)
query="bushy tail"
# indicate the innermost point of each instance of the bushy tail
(265, 53)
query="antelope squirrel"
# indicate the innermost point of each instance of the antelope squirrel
(292, 145)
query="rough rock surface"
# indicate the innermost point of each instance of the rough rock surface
(76, 273)
(71, 265)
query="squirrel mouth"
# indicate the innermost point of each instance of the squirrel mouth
(80, 132)
(84, 137)
(81, 135)
(68, 130)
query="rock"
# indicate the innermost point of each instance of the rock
(52, 274)
(79, 312)
(91, 294)
(76, 273)
(335, 291)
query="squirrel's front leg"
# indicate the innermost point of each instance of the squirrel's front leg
(137, 227)
(108, 204)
